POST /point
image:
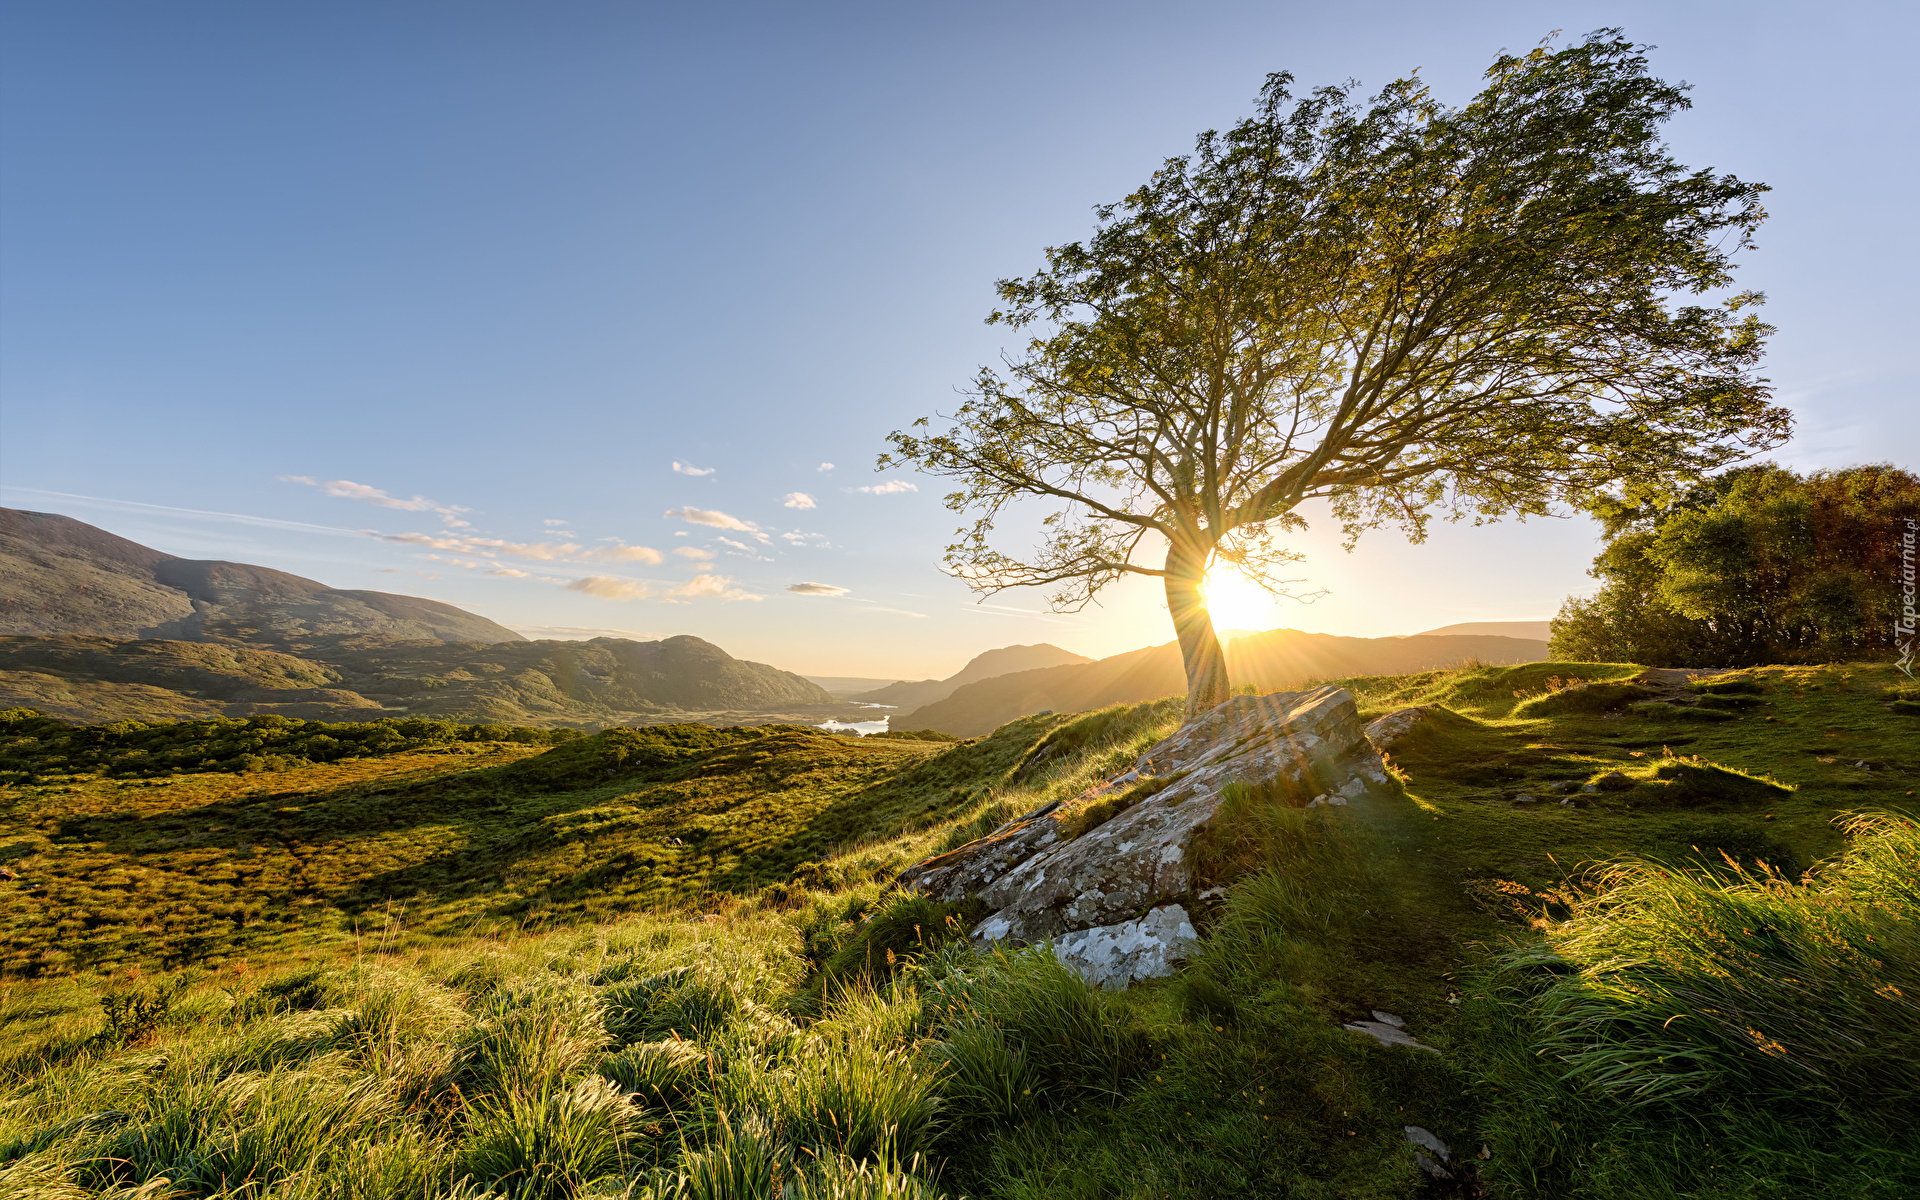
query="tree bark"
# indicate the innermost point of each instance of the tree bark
(1207, 684)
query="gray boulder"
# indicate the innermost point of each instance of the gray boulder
(1085, 894)
(1112, 956)
(1387, 730)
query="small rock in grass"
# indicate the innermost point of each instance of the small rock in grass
(1525, 798)
(1612, 781)
(1389, 1019)
(1429, 1152)
(1387, 1035)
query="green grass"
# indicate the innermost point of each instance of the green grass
(490, 990)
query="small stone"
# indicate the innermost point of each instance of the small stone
(1389, 1018)
(1589, 788)
(1387, 1035)
(1571, 802)
(1429, 1152)
(1613, 781)
(1526, 798)
(1214, 893)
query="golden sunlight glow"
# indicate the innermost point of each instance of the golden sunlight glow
(1237, 602)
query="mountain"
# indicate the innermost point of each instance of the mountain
(94, 627)
(1004, 661)
(59, 576)
(1281, 658)
(1533, 630)
(845, 687)
(605, 681)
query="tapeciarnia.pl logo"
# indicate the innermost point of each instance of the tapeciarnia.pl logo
(1903, 625)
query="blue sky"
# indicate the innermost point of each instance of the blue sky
(481, 274)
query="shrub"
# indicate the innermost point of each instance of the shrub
(133, 1012)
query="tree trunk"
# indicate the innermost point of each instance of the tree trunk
(1207, 685)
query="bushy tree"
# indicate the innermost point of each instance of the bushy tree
(1756, 565)
(1399, 308)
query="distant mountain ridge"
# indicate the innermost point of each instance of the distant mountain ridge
(1006, 660)
(94, 627)
(59, 576)
(1280, 658)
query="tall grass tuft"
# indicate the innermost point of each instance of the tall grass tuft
(1716, 1016)
(549, 1146)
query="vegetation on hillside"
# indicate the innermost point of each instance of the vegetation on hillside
(1622, 990)
(1756, 565)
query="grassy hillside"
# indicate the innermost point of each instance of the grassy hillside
(546, 997)
(605, 681)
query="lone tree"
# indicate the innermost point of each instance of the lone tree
(1403, 309)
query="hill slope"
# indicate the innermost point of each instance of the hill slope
(909, 695)
(546, 683)
(1281, 658)
(446, 936)
(61, 576)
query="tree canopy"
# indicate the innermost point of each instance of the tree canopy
(1397, 308)
(1757, 565)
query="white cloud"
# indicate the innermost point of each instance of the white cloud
(550, 523)
(801, 538)
(700, 587)
(798, 500)
(347, 489)
(715, 519)
(510, 573)
(693, 552)
(816, 589)
(537, 551)
(608, 588)
(824, 467)
(708, 516)
(577, 633)
(712, 587)
(889, 488)
(388, 571)
(690, 469)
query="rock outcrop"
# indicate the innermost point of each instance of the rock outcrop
(1086, 893)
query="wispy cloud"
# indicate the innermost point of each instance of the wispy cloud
(798, 500)
(578, 633)
(824, 467)
(137, 506)
(537, 551)
(817, 589)
(347, 489)
(889, 488)
(388, 571)
(552, 523)
(693, 552)
(690, 469)
(510, 573)
(798, 537)
(700, 587)
(715, 519)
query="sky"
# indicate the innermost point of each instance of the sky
(593, 317)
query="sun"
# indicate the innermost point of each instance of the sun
(1237, 602)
